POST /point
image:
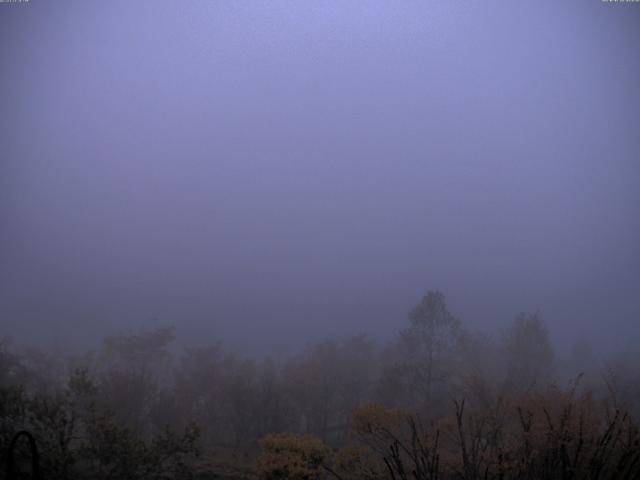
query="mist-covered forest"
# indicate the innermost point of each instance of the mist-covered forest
(319, 240)
(437, 401)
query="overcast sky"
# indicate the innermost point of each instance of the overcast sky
(270, 172)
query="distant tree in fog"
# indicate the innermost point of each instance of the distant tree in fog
(12, 372)
(529, 353)
(327, 381)
(424, 360)
(144, 350)
(130, 373)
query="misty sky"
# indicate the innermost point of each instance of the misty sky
(269, 172)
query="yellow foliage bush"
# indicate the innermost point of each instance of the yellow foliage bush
(291, 456)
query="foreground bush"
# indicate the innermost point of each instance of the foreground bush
(76, 439)
(548, 436)
(291, 456)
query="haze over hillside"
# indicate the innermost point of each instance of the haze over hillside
(319, 240)
(269, 173)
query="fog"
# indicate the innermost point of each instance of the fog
(337, 240)
(266, 174)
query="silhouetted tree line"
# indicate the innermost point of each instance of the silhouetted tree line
(438, 401)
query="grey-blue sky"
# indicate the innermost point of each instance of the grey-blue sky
(268, 171)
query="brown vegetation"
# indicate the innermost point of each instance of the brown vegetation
(437, 402)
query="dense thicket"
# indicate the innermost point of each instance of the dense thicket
(438, 401)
